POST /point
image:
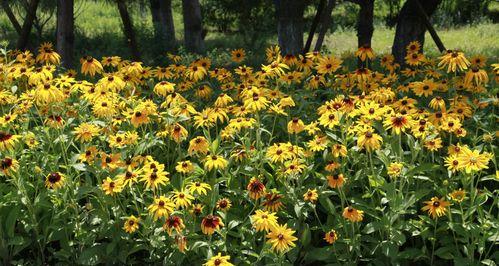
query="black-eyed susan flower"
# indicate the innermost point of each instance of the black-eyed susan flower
(395, 169)
(436, 207)
(264, 220)
(91, 66)
(131, 224)
(155, 177)
(331, 236)
(328, 65)
(273, 201)
(216, 162)
(353, 215)
(458, 195)
(281, 238)
(184, 167)
(173, 222)
(224, 204)
(198, 187)
(369, 140)
(454, 61)
(111, 187)
(311, 195)
(295, 126)
(55, 180)
(46, 54)
(8, 141)
(210, 224)
(238, 55)
(336, 181)
(182, 199)
(256, 189)
(472, 161)
(161, 207)
(218, 260)
(365, 52)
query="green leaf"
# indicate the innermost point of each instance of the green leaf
(10, 222)
(305, 235)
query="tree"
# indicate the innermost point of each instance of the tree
(65, 31)
(411, 26)
(324, 23)
(162, 19)
(11, 16)
(22, 42)
(193, 26)
(128, 30)
(290, 25)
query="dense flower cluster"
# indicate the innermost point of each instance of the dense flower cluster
(306, 159)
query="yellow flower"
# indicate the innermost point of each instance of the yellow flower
(473, 161)
(184, 167)
(131, 224)
(198, 145)
(210, 223)
(155, 177)
(238, 55)
(86, 131)
(369, 140)
(218, 260)
(215, 162)
(91, 66)
(397, 123)
(331, 236)
(55, 180)
(311, 195)
(395, 169)
(458, 195)
(454, 60)
(46, 54)
(328, 65)
(436, 207)
(163, 88)
(295, 126)
(353, 215)
(9, 165)
(174, 222)
(224, 204)
(161, 207)
(182, 199)
(281, 238)
(264, 220)
(198, 187)
(7, 141)
(110, 187)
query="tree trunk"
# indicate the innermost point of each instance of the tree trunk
(325, 23)
(365, 26)
(193, 26)
(290, 25)
(65, 31)
(411, 26)
(22, 42)
(315, 22)
(162, 19)
(11, 16)
(128, 30)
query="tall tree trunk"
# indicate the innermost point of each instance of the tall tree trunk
(365, 26)
(65, 31)
(11, 16)
(22, 42)
(193, 26)
(411, 26)
(315, 22)
(325, 24)
(290, 25)
(128, 30)
(162, 19)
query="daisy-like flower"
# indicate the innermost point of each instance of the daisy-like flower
(281, 238)
(295, 126)
(353, 215)
(198, 145)
(210, 224)
(86, 131)
(331, 236)
(161, 207)
(182, 199)
(311, 195)
(395, 169)
(436, 207)
(9, 165)
(215, 162)
(218, 260)
(454, 61)
(111, 187)
(91, 66)
(238, 55)
(369, 140)
(131, 224)
(173, 222)
(256, 188)
(328, 65)
(184, 167)
(224, 204)
(336, 181)
(8, 141)
(198, 188)
(397, 123)
(473, 161)
(55, 180)
(264, 220)
(458, 195)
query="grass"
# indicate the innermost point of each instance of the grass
(99, 33)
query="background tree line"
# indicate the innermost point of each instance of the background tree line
(254, 21)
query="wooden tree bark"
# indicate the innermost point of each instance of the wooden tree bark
(65, 31)
(411, 26)
(290, 25)
(324, 24)
(11, 16)
(162, 19)
(315, 23)
(365, 26)
(193, 26)
(22, 42)
(128, 30)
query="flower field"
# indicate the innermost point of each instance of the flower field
(309, 160)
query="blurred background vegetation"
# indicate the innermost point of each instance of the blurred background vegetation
(469, 25)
